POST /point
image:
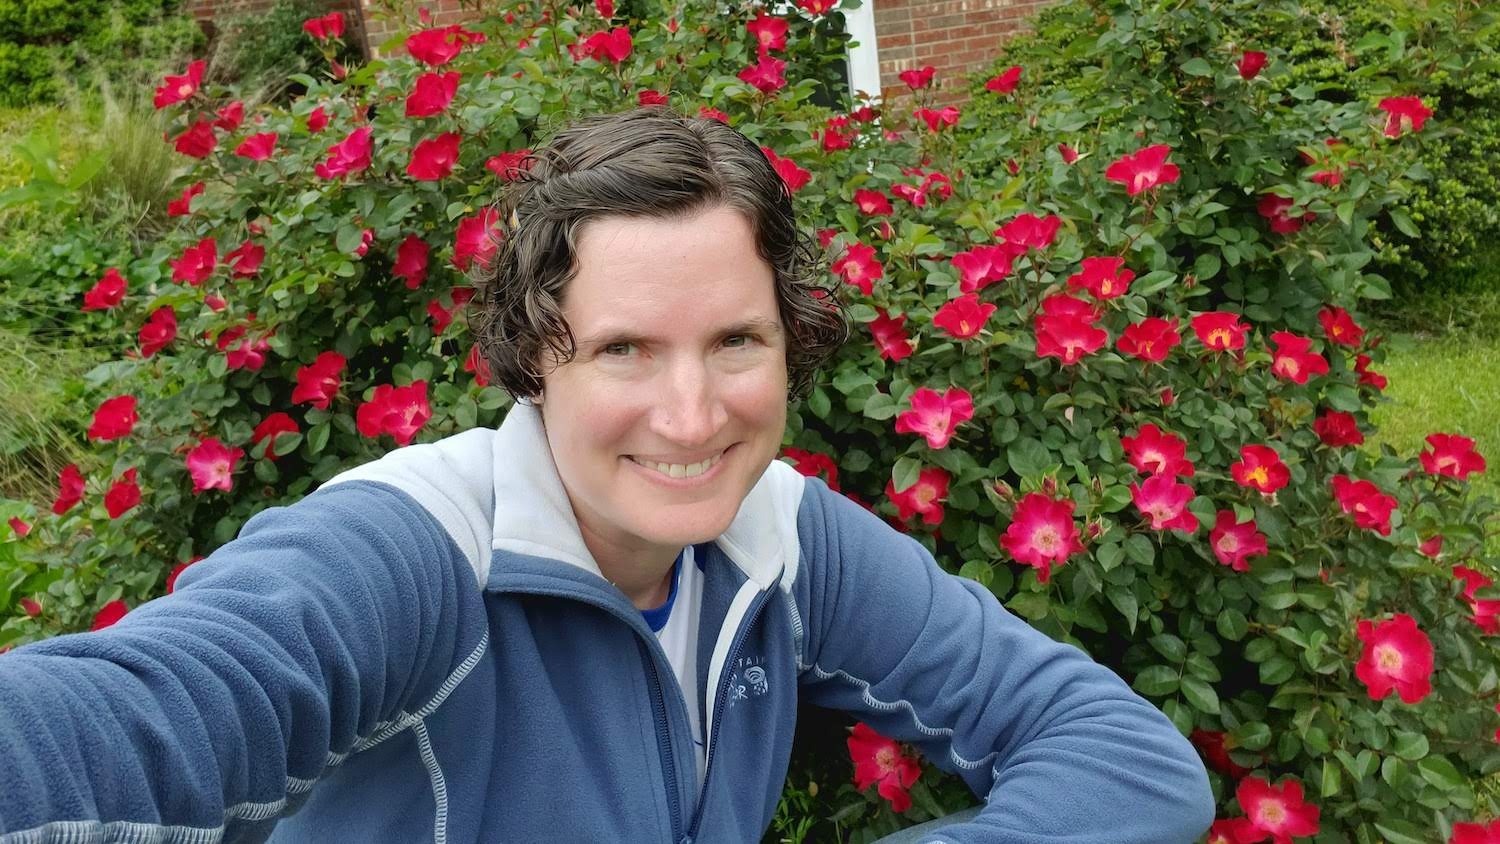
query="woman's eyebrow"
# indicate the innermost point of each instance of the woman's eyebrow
(754, 325)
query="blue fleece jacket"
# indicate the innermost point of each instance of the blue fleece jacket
(424, 649)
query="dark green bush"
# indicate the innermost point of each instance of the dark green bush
(47, 45)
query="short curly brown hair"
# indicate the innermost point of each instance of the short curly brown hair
(648, 162)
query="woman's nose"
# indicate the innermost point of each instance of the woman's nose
(689, 411)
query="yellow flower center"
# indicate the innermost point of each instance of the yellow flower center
(1388, 658)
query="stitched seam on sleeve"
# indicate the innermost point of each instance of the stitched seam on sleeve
(439, 785)
(890, 706)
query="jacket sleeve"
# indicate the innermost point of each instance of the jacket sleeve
(1060, 748)
(207, 714)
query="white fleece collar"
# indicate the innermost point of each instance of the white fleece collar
(533, 515)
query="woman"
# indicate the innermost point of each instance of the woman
(596, 622)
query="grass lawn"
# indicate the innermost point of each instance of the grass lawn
(1448, 384)
(1444, 376)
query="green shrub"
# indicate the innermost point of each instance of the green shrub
(50, 49)
(1446, 51)
(1260, 659)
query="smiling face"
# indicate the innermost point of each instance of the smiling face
(675, 401)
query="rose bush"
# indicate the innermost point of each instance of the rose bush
(1108, 363)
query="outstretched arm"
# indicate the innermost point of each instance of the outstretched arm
(1060, 747)
(213, 711)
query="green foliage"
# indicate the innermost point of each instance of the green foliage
(49, 45)
(1264, 656)
(1446, 51)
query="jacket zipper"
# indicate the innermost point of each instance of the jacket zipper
(719, 703)
(663, 740)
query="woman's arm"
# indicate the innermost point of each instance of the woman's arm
(1060, 747)
(219, 706)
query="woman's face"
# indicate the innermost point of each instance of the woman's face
(675, 402)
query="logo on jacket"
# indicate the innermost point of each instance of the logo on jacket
(749, 680)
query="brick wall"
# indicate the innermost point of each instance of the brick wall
(955, 36)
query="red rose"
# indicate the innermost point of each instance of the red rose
(1451, 455)
(257, 147)
(1250, 64)
(351, 155)
(183, 205)
(211, 464)
(318, 382)
(122, 495)
(197, 141)
(115, 418)
(69, 489)
(106, 293)
(1006, 82)
(963, 318)
(1042, 532)
(197, 263)
(433, 159)
(924, 497)
(1151, 339)
(934, 415)
(1144, 170)
(1397, 656)
(175, 89)
(1404, 114)
(159, 329)
(765, 75)
(769, 32)
(918, 79)
(411, 261)
(398, 411)
(432, 93)
(476, 239)
(272, 427)
(890, 336)
(880, 761)
(109, 614)
(437, 47)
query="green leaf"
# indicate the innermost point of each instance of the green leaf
(1438, 771)
(1170, 646)
(905, 473)
(1123, 599)
(1028, 457)
(1201, 695)
(1030, 605)
(979, 571)
(1156, 681)
(1109, 555)
(1403, 222)
(1232, 624)
(1197, 66)
(1277, 670)
(1207, 266)
(1331, 779)
(1251, 735)
(1410, 746)
(1153, 281)
(818, 403)
(1397, 831)
(1139, 548)
(317, 438)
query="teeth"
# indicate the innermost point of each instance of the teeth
(680, 470)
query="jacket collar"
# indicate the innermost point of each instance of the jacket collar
(533, 515)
